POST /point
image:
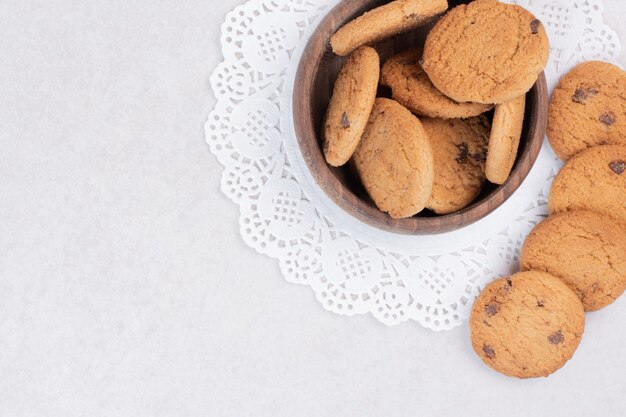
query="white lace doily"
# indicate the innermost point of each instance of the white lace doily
(352, 267)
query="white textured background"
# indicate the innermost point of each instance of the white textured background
(125, 289)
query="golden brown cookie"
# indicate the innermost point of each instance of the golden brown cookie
(394, 160)
(527, 325)
(595, 180)
(486, 52)
(588, 108)
(412, 88)
(508, 121)
(459, 149)
(350, 105)
(585, 249)
(384, 21)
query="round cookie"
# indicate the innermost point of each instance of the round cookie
(595, 180)
(350, 105)
(508, 120)
(526, 325)
(486, 52)
(394, 160)
(384, 21)
(588, 108)
(412, 88)
(585, 249)
(459, 148)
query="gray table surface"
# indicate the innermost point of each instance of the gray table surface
(125, 288)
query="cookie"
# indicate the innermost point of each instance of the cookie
(350, 105)
(508, 121)
(411, 87)
(588, 108)
(394, 160)
(526, 325)
(459, 149)
(384, 21)
(595, 180)
(585, 249)
(486, 52)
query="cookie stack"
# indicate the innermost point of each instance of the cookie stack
(530, 324)
(435, 141)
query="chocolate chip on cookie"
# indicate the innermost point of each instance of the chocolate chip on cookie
(618, 167)
(534, 26)
(581, 94)
(607, 118)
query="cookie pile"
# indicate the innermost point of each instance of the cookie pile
(435, 142)
(530, 324)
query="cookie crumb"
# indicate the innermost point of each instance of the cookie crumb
(607, 118)
(540, 304)
(556, 337)
(534, 26)
(489, 352)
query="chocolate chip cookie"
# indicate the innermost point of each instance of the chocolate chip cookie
(459, 149)
(526, 325)
(588, 108)
(595, 180)
(394, 160)
(384, 21)
(411, 87)
(350, 105)
(585, 249)
(486, 52)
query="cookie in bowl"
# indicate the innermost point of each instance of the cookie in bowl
(411, 87)
(460, 149)
(486, 52)
(390, 19)
(350, 105)
(394, 160)
(508, 121)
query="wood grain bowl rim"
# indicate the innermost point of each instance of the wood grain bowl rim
(306, 133)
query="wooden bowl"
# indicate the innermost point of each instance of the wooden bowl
(315, 78)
